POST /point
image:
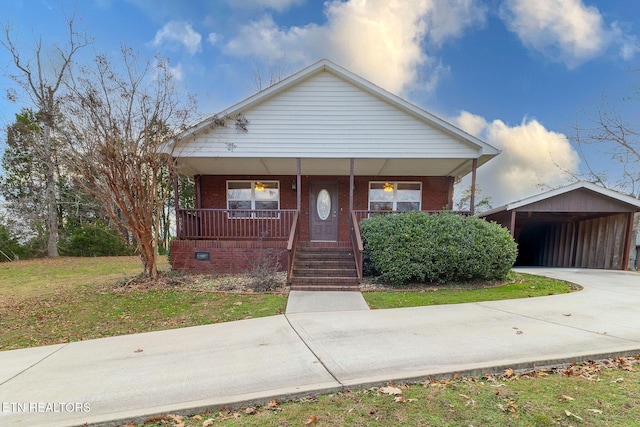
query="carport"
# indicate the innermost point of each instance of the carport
(581, 225)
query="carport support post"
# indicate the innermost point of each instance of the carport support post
(472, 201)
(627, 242)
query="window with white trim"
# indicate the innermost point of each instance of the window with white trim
(395, 196)
(245, 196)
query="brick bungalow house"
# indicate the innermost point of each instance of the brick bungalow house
(322, 149)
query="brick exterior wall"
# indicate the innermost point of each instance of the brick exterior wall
(229, 256)
(226, 256)
(436, 194)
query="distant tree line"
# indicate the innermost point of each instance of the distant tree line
(84, 171)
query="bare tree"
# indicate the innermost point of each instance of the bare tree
(612, 136)
(42, 76)
(275, 71)
(481, 204)
(119, 117)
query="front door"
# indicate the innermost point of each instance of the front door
(323, 211)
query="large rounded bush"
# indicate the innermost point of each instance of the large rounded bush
(444, 248)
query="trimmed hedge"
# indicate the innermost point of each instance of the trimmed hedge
(436, 248)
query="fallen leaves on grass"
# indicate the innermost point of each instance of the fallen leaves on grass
(510, 406)
(272, 404)
(571, 414)
(390, 390)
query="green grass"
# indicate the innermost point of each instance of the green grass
(40, 277)
(71, 299)
(54, 301)
(519, 286)
(590, 395)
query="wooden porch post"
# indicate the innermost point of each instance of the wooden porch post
(472, 201)
(627, 242)
(450, 183)
(351, 183)
(176, 198)
(299, 183)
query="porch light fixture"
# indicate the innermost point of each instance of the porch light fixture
(388, 187)
(294, 185)
(259, 186)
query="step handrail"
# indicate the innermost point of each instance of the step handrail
(356, 243)
(292, 245)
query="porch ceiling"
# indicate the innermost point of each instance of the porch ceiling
(287, 166)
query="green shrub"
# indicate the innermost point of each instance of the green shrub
(444, 247)
(10, 247)
(93, 240)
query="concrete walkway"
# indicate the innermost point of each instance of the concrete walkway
(316, 302)
(130, 378)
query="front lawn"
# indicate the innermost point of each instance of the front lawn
(517, 285)
(54, 301)
(72, 299)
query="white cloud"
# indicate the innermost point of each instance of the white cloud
(533, 158)
(381, 40)
(176, 72)
(178, 33)
(213, 38)
(449, 19)
(277, 5)
(564, 31)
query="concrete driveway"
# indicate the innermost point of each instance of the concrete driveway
(120, 379)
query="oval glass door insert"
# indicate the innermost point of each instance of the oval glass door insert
(323, 204)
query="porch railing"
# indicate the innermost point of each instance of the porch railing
(274, 224)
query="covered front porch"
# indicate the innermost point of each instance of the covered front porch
(225, 233)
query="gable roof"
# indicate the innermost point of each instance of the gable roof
(312, 114)
(589, 187)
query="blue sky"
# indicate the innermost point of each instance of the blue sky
(516, 73)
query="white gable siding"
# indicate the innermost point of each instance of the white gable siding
(325, 116)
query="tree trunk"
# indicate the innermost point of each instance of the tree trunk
(149, 260)
(52, 205)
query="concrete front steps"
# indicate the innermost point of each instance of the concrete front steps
(324, 268)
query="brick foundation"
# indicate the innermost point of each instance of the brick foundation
(225, 256)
